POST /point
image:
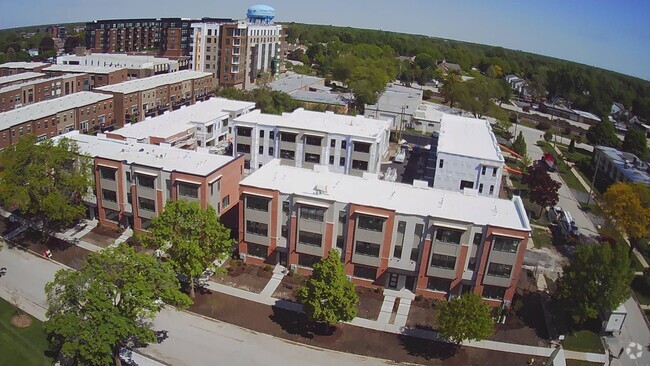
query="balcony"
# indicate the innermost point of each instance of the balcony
(400, 263)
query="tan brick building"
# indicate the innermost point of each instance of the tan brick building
(20, 78)
(13, 68)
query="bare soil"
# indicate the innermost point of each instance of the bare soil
(422, 314)
(369, 303)
(101, 236)
(244, 276)
(288, 288)
(62, 251)
(21, 321)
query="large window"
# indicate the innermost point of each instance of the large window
(499, 270)
(107, 173)
(312, 213)
(443, 261)
(257, 228)
(309, 238)
(438, 284)
(257, 203)
(108, 195)
(508, 245)
(361, 147)
(478, 237)
(288, 137)
(471, 265)
(340, 241)
(313, 140)
(146, 181)
(111, 215)
(244, 131)
(285, 206)
(359, 164)
(370, 223)
(244, 148)
(466, 184)
(287, 154)
(494, 292)
(312, 158)
(367, 273)
(449, 236)
(305, 260)
(367, 249)
(343, 217)
(225, 202)
(188, 190)
(146, 204)
(257, 250)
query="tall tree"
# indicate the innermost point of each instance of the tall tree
(519, 145)
(597, 279)
(108, 304)
(193, 237)
(451, 87)
(46, 181)
(328, 296)
(603, 133)
(465, 318)
(636, 143)
(543, 188)
(628, 205)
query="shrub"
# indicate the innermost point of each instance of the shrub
(543, 126)
(419, 297)
(378, 290)
(268, 268)
(548, 136)
(428, 94)
(513, 117)
(517, 305)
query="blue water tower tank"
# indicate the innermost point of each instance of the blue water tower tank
(263, 13)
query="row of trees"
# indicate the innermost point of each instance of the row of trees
(604, 134)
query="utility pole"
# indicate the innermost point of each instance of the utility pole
(593, 180)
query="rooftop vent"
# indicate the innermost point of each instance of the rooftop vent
(320, 189)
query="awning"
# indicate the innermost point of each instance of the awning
(309, 203)
(187, 181)
(288, 130)
(215, 179)
(370, 214)
(106, 166)
(507, 235)
(317, 134)
(449, 226)
(257, 194)
(145, 173)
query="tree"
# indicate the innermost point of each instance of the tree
(46, 181)
(602, 133)
(629, 206)
(543, 188)
(451, 87)
(71, 43)
(47, 44)
(465, 318)
(635, 142)
(328, 296)
(572, 145)
(193, 237)
(548, 136)
(597, 279)
(108, 304)
(519, 145)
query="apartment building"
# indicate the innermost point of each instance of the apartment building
(468, 156)
(38, 90)
(139, 66)
(85, 111)
(203, 124)
(133, 181)
(99, 75)
(19, 67)
(152, 96)
(206, 47)
(167, 37)
(619, 166)
(346, 144)
(432, 242)
(233, 55)
(20, 78)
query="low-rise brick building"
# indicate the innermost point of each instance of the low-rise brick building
(20, 78)
(19, 67)
(38, 90)
(99, 75)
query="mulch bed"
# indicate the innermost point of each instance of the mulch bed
(288, 288)
(369, 303)
(101, 236)
(62, 251)
(244, 276)
(296, 327)
(422, 314)
(21, 321)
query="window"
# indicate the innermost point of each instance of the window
(146, 181)
(257, 228)
(332, 143)
(312, 213)
(188, 190)
(342, 161)
(261, 134)
(313, 140)
(312, 158)
(244, 131)
(108, 195)
(494, 171)
(309, 238)
(361, 147)
(480, 188)
(271, 135)
(483, 169)
(261, 150)
(111, 215)
(305, 260)
(340, 240)
(257, 203)
(359, 164)
(368, 273)
(438, 284)
(331, 160)
(370, 223)
(471, 265)
(449, 236)
(145, 223)
(491, 190)
(508, 245)
(225, 202)
(288, 137)
(367, 249)
(285, 207)
(128, 177)
(499, 270)
(271, 150)
(287, 154)
(343, 217)
(441, 163)
(443, 261)
(146, 204)
(284, 231)
(344, 144)
(256, 250)
(129, 198)
(466, 184)
(494, 292)
(397, 251)
(477, 239)
(107, 173)
(244, 148)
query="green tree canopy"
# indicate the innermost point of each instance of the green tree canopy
(603, 133)
(636, 143)
(465, 318)
(519, 145)
(108, 304)
(328, 296)
(451, 87)
(597, 279)
(193, 237)
(46, 181)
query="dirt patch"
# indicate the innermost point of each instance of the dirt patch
(62, 251)
(288, 288)
(422, 314)
(21, 321)
(369, 303)
(296, 327)
(101, 236)
(244, 276)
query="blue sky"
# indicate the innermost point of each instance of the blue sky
(613, 34)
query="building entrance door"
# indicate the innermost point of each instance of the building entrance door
(393, 278)
(282, 257)
(410, 283)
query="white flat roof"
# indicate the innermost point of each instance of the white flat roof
(22, 76)
(115, 60)
(327, 122)
(33, 81)
(81, 68)
(402, 198)
(22, 65)
(161, 157)
(49, 107)
(294, 82)
(153, 81)
(172, 123)
(466, 136)
(395, 97)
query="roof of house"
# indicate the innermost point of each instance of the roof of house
(433, 112)
(22, 76)
(22, 65)
(162, 157)
(470, 137)
(318, 97)
(619, 158)
(402, 198)
(326, 122)
(153, 81)
(82, 68)
(49, 107)
(115, 60)
(294, 82)
(172, 123)
(395, 97)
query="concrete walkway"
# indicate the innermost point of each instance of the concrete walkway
(278, 274)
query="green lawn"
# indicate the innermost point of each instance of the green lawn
(583, 341)
(565, 172)
(25, 346)
(542, 238)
